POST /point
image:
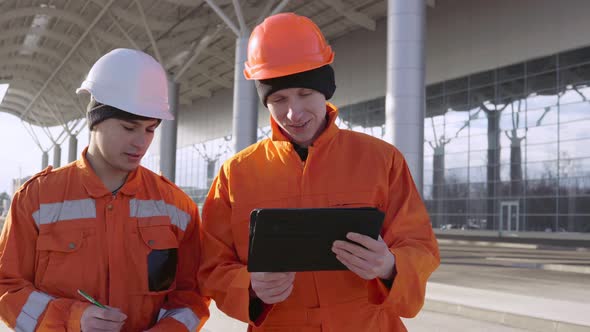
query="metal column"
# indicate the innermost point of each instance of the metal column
(73, 149)
(44, 160)
(404, 102)
(168, 135)
(56, 156)
(245, 103)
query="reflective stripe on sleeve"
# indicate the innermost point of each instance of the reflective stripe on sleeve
(184, 315)
(31, 311)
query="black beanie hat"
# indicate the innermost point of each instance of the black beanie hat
(98, 112)
(320, 79)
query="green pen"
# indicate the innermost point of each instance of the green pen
(91, 300)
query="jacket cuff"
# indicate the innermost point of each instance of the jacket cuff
(76, 310)
(258, 311)
(380, 289)
(169, 324)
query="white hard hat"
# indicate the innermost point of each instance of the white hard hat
(130, 80)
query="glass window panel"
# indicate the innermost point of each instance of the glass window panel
(511, 90)
(539, 223)
(428, 131)
(375, 118)
(434, 90)
(539, 101)
(456, 190)
(457, 176)
(574, 223)
(541, 187)
(573, 57)
(428, 150)
(515, 138)
(428, 162)
(457, 101)
(541, 65)
(435, 106)
(579, 185)
(454, 160)
(574, 95)
(457, 129)
(510, 189)
(541, 205)
(541, 152)
(483, 78)
(513, 188)
(574, 112)
(511, 72)
(437, 121)
(574, 204)
(479, 96)
(459, 144)
(505, 172)
(584, 91)
(454, 117)
(455, 85)
(544, 116)
(575, 130)
(479, 127)
(511, 119)
(575, 149)
(574, 167)
(477, 113)
(505, 154)
(478, 158)
(541, 170)
(543, 134)
(576, 75)
(542, 84)
(456, 207)
(478, 174)
(477, 210)
(427, 192)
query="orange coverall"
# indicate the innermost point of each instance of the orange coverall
(343, 169)
(137, 251)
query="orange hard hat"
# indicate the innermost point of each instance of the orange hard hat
(286, 44)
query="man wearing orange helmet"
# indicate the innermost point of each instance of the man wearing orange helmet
(309, 162)
(104, 224)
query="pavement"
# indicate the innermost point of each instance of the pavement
(530, 286)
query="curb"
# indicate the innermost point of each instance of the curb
(504, 318)
(510, 245)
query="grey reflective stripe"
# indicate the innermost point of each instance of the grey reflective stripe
(33, 308)
(151, 208)
(66, 210)
(184, 315)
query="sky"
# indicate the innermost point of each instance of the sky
(19, 154)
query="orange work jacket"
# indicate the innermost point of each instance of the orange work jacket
(137, 251)
(343, 169)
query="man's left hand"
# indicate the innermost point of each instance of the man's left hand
(368, 258)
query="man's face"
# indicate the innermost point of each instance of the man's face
(300, 112)
(122, 143)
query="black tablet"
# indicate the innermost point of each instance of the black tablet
(284, 240)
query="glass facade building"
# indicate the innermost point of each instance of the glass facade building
(504, 149)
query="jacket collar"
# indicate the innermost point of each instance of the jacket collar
(329, 132)
(93, 184)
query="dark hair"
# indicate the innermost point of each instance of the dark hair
(98, 112)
